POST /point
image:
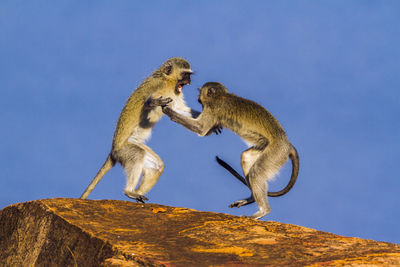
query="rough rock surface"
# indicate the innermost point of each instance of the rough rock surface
(73, 232)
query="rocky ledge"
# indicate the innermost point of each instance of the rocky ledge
(73, 232)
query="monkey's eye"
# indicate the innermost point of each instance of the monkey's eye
(186, 75)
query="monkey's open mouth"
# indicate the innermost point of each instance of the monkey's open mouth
(180, 84)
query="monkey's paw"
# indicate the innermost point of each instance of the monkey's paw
(215, 129)
(238, 203)
(167, 110)
(137, 197)
(218, 130)
(156, 102)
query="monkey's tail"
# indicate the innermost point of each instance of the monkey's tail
(294, 157)
(232, 171)
(108, 164)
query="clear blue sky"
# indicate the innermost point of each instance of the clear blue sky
(328, 71)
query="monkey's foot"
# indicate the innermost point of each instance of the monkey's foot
(137, 197)
(155, 102)
(141, 199)
(259, 214)
(238, 203)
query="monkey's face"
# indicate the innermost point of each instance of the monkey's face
(202, 95)
(199, 100)
(177, 70)
(210, 91)
(184, 79)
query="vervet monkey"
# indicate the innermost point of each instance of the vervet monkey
(139, 115)
(269, 146)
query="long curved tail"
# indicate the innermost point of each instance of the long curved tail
(108, 164)
(293, 155)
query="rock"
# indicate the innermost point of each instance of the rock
(74, 232)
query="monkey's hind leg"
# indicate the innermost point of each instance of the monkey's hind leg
(132, 157)
(152, 170)
(248, 158)
(260, 189)
(263, 170)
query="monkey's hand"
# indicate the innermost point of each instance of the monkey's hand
(217, 129)
(167, 110)
(156, 102)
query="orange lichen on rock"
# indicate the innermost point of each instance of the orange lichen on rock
(158, 209)
(242, 252)
(74, 232)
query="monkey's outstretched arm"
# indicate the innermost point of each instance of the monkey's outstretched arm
(217, 129)
(200, 125)
(180, 107)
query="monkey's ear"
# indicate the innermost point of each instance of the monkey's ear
(211, 91)
(167, 69)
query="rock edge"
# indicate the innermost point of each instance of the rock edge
(74, 232)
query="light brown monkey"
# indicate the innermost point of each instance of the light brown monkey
(140, 113)
(269, 146)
